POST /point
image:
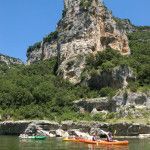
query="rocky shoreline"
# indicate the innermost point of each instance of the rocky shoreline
(70, 128)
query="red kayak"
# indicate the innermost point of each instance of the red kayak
(97, 142)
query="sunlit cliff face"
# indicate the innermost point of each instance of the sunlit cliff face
(86, 27)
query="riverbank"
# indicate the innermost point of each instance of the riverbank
(69, 128)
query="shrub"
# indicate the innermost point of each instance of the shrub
(107, 91)
(99, 117)
(133, 86)
(111, 115)
(107, 66)
(85, 4)
(144, 74)
(36, 47)
(94, 72)
(51, 36)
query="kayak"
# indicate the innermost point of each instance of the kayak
(71, 140)
(97, 142)
(33, 137)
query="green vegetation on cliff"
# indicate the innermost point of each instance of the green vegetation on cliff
(140, 54)
(36, 47)
(51, 36)
(85, 4)
(138, 61)
(30, 92)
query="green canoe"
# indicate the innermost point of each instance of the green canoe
(33, 137)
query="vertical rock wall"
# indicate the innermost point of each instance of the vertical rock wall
(86, 27)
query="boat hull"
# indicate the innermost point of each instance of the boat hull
(34, 137)
(102, 142)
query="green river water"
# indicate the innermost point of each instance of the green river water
(14, 143)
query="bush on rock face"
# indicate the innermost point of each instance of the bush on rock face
(85, 4)
(107, 91)
(36, 46)
(51, 36)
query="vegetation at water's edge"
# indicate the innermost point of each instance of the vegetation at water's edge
(30, 92)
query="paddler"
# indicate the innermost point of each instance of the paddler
(94, 137)
(108, 134)
(109, 137)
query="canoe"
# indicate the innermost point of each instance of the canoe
(102, 142)
(33, 137)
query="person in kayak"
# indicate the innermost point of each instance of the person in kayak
(94, 137)
(108, 134)
(109, 137)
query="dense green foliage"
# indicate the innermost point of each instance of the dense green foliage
(36, 92)
(140, 55)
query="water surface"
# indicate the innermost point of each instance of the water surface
(14, 143)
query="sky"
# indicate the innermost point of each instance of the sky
(24, 22)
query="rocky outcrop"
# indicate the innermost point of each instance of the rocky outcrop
(70, 128)
(61, 133)
(125, 25)
(86, 27)
(118, 77)
(124, 104)
(136, 99)
(42, 50)
(13, 128)
(98, 104)
(132, 104)
(9, 60)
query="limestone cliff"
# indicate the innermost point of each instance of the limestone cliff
(43, 50)
(86, 27)
(125, 25)
(9, 60)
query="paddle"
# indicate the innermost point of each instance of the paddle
(114, 134)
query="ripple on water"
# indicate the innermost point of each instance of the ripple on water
(14, 143)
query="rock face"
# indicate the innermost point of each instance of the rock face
(69, 128)
(44, 50)
(9, 60)
(13, 128)
(125, 25)
(132, 98)
(86, 27)
(124, 104)
(117, 77)
(100, 104)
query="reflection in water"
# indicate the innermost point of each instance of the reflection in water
(107, 147)
(14, 143)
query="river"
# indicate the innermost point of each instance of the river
(14, 143)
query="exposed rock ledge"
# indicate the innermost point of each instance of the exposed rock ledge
(10, 60)
(55, 128)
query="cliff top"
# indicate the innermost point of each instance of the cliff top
(9, 60)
